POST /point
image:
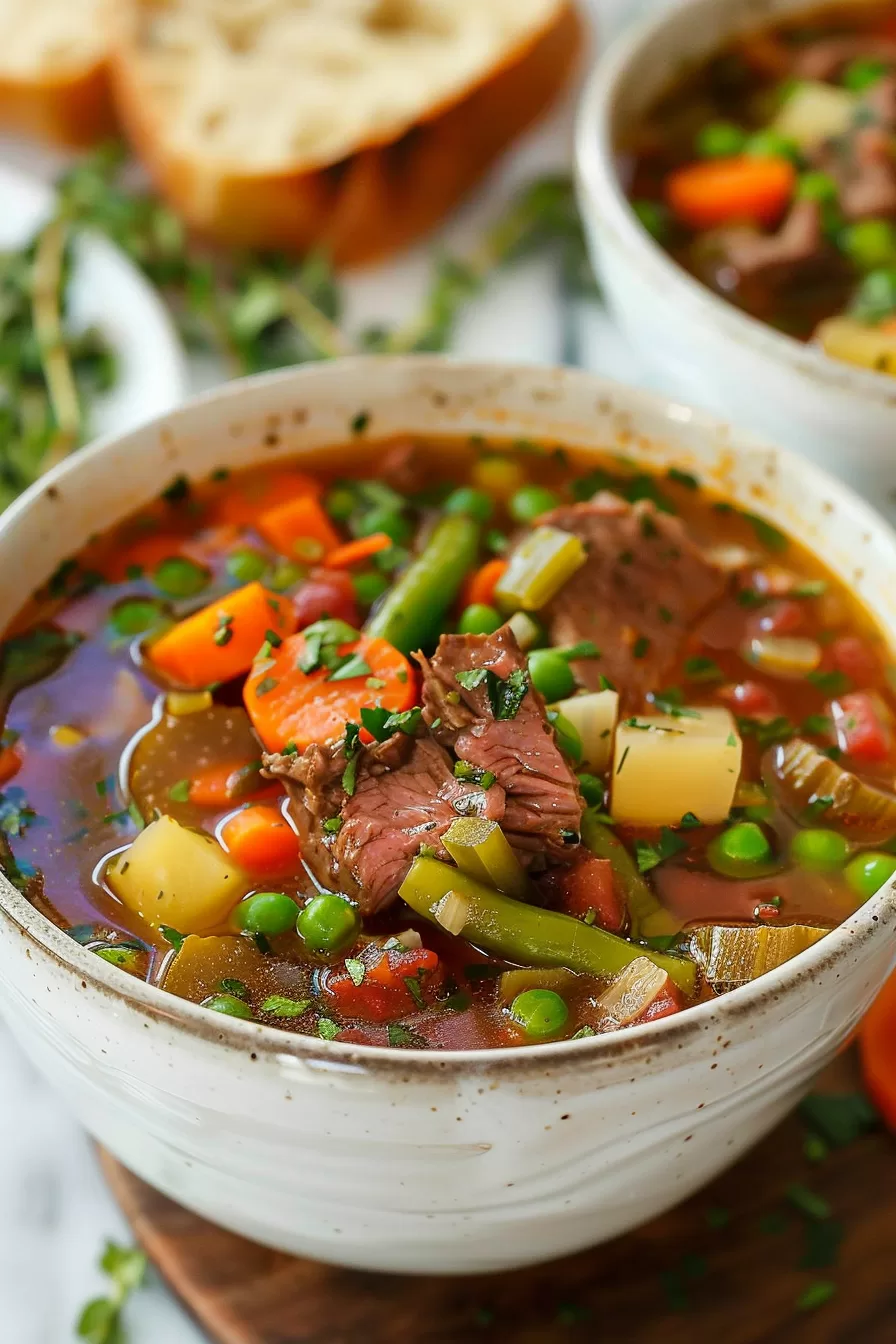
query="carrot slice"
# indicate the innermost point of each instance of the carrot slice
(287, 705)
(247, 497)
(260, 840)
(480, 587)
(214, 786)
(877, 1047)
(353, 552)
(299, 529)
(724, 191)
(10, 764)
(221, 641)
(147, 554)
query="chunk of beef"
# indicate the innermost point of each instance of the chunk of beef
(880, 99)
(543, 807)
(405, 795)
(867, 177)
(798, 245)
(643, 585)
(403, 466)
(825, 58)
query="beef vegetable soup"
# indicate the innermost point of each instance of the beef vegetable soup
(446, 744)
(770, 174)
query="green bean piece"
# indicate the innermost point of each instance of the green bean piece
(411, 613)
(481, 849)
(649, 919)
(523, 933)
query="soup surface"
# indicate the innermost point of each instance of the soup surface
(446, 744)
(770, 174)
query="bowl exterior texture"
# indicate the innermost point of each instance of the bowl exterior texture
(398, 1160)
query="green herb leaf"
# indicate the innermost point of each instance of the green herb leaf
(472, 678)
(649, 855)
(356, 969)
(381, 724)
(766, 534)
(405, 1037)
(505, 695)
(180, 792)
(172, 936)
(840, 1118)
(278, 1005)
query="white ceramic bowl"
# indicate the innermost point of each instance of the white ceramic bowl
(428, 1161)
(701, 346)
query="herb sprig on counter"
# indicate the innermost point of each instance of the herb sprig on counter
(100, 1321)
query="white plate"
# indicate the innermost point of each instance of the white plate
(109, 293)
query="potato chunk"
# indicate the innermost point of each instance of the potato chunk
(665, 765)
(172, 875)
(594, 718)
(855, 343)
(814, 112)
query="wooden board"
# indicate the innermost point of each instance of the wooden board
(678, 1280)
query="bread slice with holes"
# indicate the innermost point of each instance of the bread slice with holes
(354, 125)
(53, 74)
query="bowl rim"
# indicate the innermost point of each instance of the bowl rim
(871, 920)
(602, 196)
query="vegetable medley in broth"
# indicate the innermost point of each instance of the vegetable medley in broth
(770, 174)
(446, 744)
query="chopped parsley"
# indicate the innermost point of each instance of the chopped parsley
(322, 642)
(685, 478)
(358, 423)
(839, 1118)
(399, 1035)
(224, 630)
(180, 792)
(506, 695)
(649, 854)
(689, 822)
(327, 1029)
(586, 648)
(473, 774)
(381, 724)
(177, 491)
(818, 725)
(703, 669)
(356, 970)
(472, 678)
(354, 666)
(671, 702)
(266, 685)
(278, 1005)
(332, 825)
(100, 1321)
(776, 730)
(831, 683)
(234, 987)
(766, 534)
(173, 937)
(641, 647)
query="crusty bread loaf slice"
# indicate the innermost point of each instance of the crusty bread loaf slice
(353, 124)
(53, 75)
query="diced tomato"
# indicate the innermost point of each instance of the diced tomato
(750, 699)
(669, 1001)
(326, 593)
(383, 994)
(877, 1048)
(587, 887)
(10, 764)
(861, 725)
(854, 658)
(777, 618)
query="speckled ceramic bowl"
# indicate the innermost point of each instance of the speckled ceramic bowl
(426, 1161)
(842, 417)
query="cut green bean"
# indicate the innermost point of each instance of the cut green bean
(523, 933)
(410, 614)
(481, 849)
(649, 919)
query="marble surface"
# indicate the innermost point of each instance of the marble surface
(56, 1211)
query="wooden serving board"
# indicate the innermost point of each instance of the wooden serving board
(682, 1279)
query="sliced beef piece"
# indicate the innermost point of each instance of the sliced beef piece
(797, 245)
(543, 809)
(867, 178)
(826, 58)
(643, 585)
(405, 796)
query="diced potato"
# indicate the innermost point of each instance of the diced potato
(868, 347)
(172, 875)
(594, 718)
(202, 963)
(539, 567)
(814, 112)
(665, 765)
(738, 954)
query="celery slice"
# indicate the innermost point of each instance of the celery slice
(737, 954)
(539, 567)
(481, 849)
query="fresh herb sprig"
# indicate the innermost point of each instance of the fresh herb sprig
(100, 1322)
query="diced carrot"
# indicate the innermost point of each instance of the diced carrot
(877, 1048)
(286, 704)
(713, 192)
(146, 554)
(10, 764)
(245, 498)
(480, 587)
(353, 552)
(221, 641)
(299, 529)
(260, 840)
(214, 786)
(889, 323)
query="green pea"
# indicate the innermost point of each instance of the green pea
(340, 503)
(772, 145)
(817, 186)
(870, 243)
(386, 519)
(479, 619)
(875, 298)
(287, 575)
(476, 504)
(134, 615)
(328, 923)
(740, 848)
(369, 587)
(540, 1012)
(531, 502)
(863, 73)
(719, 140)
(868, 872)
(179, 577)
(246, 565)
(228, 1004)
(551, 674)
(267, 912)
(819, 850)
(654, 217)
(127, 958)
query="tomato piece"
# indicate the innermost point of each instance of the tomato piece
(669, 1001)
(778, 618)
(877, 1050)
(860, 721)
(326, 593)
(10, 764)
(383, 994)
(588, 888)
(855, 659)
(751, 699)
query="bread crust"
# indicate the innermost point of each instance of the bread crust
(376, 200)
(74, 110)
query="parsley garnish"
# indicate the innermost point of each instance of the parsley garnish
(671, 702)
(766, 534)
(280, 1006)
(266, 685)
(703, 669)
(649, 855)
(356, 970)
(354, 666)
(323, 640)
(586, 648)
(472, 678)
(689, 822)
(402, 1036)
(412, 983)
(832, 683)
(817, 724)
(641, 647)
(100, 1321)
(473, 774)
(767, 734)
(360, 422)
(332, 825)
(685, 478)
(506, 696)
(172, 936)
(180, 792)
(381, 724)
(327, 1029)
(235, 987)
(223, 632)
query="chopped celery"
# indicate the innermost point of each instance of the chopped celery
(539, 567)
(649, 919)
(631, 994)
(812, 787)
(814, 112)
(594, 718)
(517, 982)
(736, 954)
(480, 848)
(526, 630)
(525, 934)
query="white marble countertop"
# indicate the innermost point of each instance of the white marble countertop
(56, 1211)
